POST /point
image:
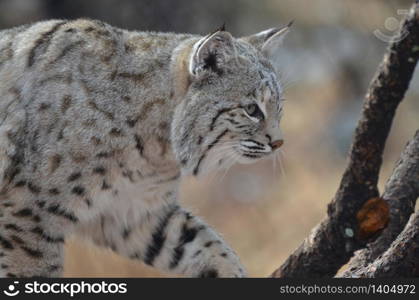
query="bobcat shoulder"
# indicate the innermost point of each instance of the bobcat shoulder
(98, 125)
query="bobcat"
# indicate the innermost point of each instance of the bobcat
(98, 125)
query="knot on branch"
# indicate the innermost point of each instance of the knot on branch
(372, 218)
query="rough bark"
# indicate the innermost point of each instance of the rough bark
(332, 243)
(400, 259)
(401, 192)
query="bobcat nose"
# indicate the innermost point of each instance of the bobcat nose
(276, 144)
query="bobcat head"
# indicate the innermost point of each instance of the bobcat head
(230, 100)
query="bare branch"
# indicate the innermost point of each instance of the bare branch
(332, 243)
(400, 260)
(401, 192)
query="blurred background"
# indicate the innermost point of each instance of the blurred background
(264, 210)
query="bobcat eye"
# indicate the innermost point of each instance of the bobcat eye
(254, 111)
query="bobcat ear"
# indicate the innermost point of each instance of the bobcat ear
(268, 41)
(211, 53)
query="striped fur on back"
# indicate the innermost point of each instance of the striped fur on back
(98, 125)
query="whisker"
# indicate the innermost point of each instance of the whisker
(221, 153)
(288, 84)
(233, 161)
(274, 165)
(218, 153)
(281, 164)
(286, 79)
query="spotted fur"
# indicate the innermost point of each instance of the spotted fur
(98, 125)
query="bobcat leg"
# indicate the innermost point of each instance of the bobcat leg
(172, 241)
(28, 248)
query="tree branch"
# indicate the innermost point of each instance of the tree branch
(332, 243)
(400, 260)
(401, 192)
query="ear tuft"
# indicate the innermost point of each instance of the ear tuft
(290, 23)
